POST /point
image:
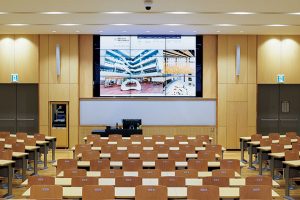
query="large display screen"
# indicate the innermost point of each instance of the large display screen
(147, 66)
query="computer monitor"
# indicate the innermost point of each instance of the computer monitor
(131, 123)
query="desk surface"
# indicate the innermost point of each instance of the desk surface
(146, 164)
(19, 154)
(201, 174)
(6, 162)
(129, 192)
(278, 155)
(292, 163)
(149, 138)
(233, 182)
(268, 148)
(247, 138)
(27, 148)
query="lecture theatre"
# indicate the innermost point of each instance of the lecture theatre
(150, 99)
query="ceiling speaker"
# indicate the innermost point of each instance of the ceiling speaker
(57, 59)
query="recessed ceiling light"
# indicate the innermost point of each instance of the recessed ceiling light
(179, 13)
(3, 13)
(117, 12)
(77, 31)
(173, 24)
(225, 25)
(100, 31)
(195, 31)
(241, 13)
(218, 31)
(17, 24)
(171, 31)
(124, 31)
(54, 13)
(147, 31)
(53, 31)
(295, 13)
(277, 25)
(120, 24)
(68, 24)
(241, 31)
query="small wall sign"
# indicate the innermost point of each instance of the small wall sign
(14, 78)
(280, 78)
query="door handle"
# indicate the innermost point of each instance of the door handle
(269, 119)
(295, 119)
(25, 119)
(7, 119)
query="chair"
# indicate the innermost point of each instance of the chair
(198, 164)
(285, 141)
(99, 164)
(128, 181)
(79, 148)
(123, 143)
(92, 138)
(204, 138)
(39, 137)
(187, 148)
(205, 192)
(217, 181)
(256, 137)
(46, 192)
(18, 147)
(30, 142)
(172, 143)
(6, 154)
(109, 148)
(291, 135)
(90, 155)
(143, 192)
(21, 135)
(119, 155)
(177, 156)
(63, 164)
(256, 192)
(159, 138)
(97, 192)
(274, 136)
(10, 140)
(70, 173)
(40, 180)
(4, 134)
(149, 173)
(111, 173)
(187, 173)
(231, 164)
(82, 181)
(165, 165)
(196, 142)
(148, 155)
(264, 142)
(134, 148)
(172, 181)
(208, 155)
(136, 138)
(230, 173)
(259, 180)
(99, 143)
(181, 138)
(148, 143)
(132, 165)
(114, 137)
(296, 146)
(161, 148)
(217, 148)
(277, 148)
(291, 155)
(2, 145)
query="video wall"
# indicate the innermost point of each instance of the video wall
(133, 66)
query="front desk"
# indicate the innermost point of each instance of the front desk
(123, 132)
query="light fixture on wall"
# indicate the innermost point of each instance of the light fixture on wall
(237, 60)
(57, 49)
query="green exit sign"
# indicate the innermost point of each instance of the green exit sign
(280, 78)
(14, 78)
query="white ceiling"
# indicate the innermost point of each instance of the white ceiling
(206, 17)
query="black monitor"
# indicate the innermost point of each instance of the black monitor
(131, 123)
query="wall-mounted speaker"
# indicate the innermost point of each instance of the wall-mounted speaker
(57, 59)
(237, 60)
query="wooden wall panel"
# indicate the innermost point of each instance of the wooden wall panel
(27, 58)
(44, 130)
(43, 104)
(86, 66)
(74, 105)
(59, 92)
(222, 104)
(44, 58)
(290, 59)
(222, 59)
(222, 136)
(241, 122)
(64, 42)
(74, 58)
(268, 59)
(209, 66)
(252, 59)
(73, 136)
(237, 92)
(6, 57)
(231, 126)
(252, 93)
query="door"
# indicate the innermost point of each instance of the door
(278, 108)
(59, 120)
